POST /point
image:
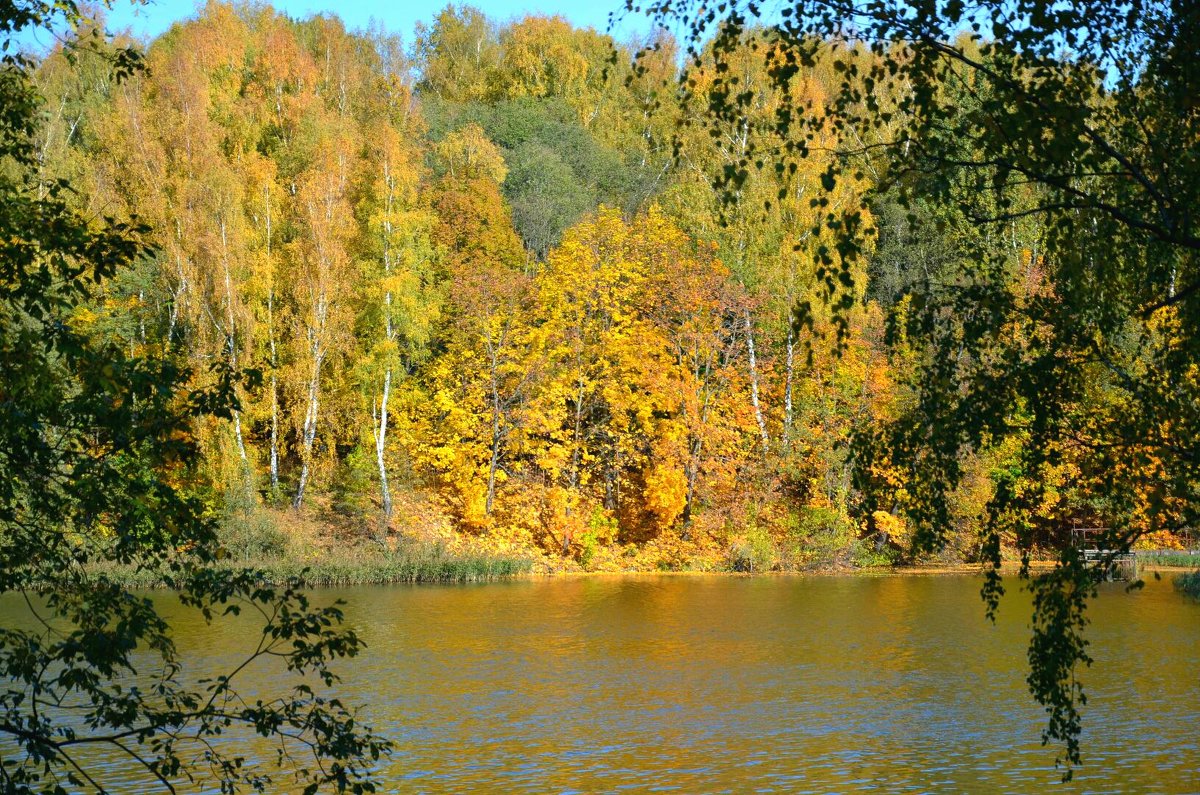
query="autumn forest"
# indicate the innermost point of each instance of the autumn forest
(475, 286)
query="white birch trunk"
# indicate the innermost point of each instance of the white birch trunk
(274, 453)
(381, 441)
(312, 408)
(389, 334)
(787, 390)
(231, 337)
(754, 399)
(274, 362)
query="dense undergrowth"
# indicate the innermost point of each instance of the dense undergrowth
(331, 543)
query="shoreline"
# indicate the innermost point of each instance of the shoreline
(324, 552)
(441, 569)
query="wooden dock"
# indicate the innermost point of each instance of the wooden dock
(1116, 565)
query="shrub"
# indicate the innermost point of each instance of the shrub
(753, 551)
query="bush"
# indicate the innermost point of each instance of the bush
(753, 551)
(252, 536)
(820, 537)
(1189, 584)
(602, 530)
(351, 491)
(866, 553)
(248, 532)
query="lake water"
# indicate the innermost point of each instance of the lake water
(772, 684)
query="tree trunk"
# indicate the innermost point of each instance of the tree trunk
(312, 410)
(274, 430)
(381, 442)
(308, 434)
(493, 464)
(274, 363)
(274, 453)
(576, 455)
(231, 337)
(703, 371)
(177, 294)
(389, 334)
(754, 401)
(237, 433)
(577, 436)
(787, 391)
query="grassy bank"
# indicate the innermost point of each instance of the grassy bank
(322, 548)
(1189, 583)
(1172, 559)
(361, 566)
(412, 563)
(284, 546)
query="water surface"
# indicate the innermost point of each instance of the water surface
(699, 684)
(723, 684)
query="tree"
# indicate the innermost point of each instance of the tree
(460, 54)
(402, 301)
(769, 227)
(541, 59)
(619, 419)
(1057, 142)
(556, 170)
(479, 383)
(97, 451)
(698, 309)
(322, 252)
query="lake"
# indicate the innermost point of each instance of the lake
(753, 684)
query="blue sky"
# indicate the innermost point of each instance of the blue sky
(397, 16)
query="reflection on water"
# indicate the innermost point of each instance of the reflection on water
(698, 684)
(773, 684)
